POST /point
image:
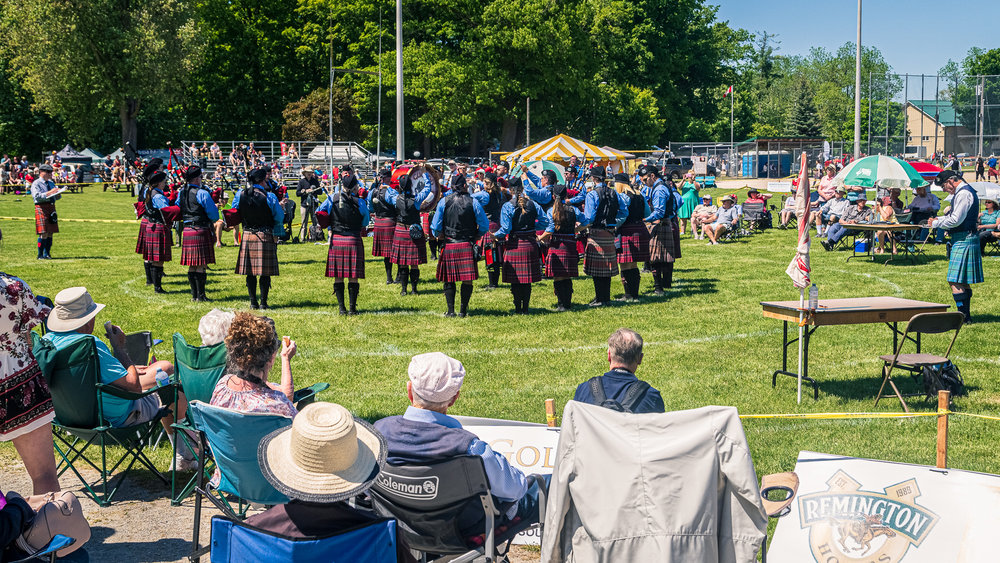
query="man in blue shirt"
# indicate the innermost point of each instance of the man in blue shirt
(45, 194)
(425, 433)
(624, 355)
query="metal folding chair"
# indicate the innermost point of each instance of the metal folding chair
(924, 323)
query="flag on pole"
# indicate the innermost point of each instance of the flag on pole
(728, 92)
(798, 269)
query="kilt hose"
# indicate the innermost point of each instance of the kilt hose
(405, 251)
(258, 254)
(157, 243)
(661, 243)
(385, 230)
(601, 259)
(42, 223)
(965, 265)
(457, 263)
(140, 241)
(197, 247)
(521, 259)
(346, 258)
(563, 259)
(634, 242)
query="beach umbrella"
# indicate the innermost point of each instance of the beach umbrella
(986, 189)
(798, 269)
(537, 166)
(886, 171)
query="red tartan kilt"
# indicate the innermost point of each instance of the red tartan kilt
(405, 251)
(634, 242)
(425, 222)
(384, 233)
(563, 257)
(346, 257)
(601, 259)
(42, 223)
(581, 244)
(485, 239)
(521, 260)
(258, 254)
(456, 263)
(198, 247)
(140, 242)
(157, 243)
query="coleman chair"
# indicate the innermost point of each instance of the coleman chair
(438, 507)
(78, 399)
(756, 216)
(234, 540)
(233, 437)
(924, 323)
(49, 551)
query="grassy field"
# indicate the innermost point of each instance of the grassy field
(706, 343)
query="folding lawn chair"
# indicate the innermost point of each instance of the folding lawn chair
(233, 540)
(78, 399)
(233, 437)
(451, 495)
(924, 323)
(755, 214)
(49, 551)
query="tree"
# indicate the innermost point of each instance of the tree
(83, 60)
(307, 119)
(23, 131)
(803, 121)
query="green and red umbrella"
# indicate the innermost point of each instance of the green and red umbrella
(885, 171)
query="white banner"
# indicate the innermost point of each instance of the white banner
(851, 510)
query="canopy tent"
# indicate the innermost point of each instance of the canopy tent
(70, 156)
(622, 155)
(561, 148)
(93, 155)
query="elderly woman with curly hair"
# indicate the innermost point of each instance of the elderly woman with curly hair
(252, 346)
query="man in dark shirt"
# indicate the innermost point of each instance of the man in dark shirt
(624, 355)
(308, 191)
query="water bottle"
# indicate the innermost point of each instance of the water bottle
(813, 297)
(162, 379)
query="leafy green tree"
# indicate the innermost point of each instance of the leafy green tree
(23, 131)
(308, 119)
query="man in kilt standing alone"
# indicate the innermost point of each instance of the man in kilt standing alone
(965, 265)
(460, 221)
(603, 210)
(45, 194)
(199, 213)
(263, 219)
(348, 216)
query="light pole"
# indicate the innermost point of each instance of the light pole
(857, 92)
(400, 146)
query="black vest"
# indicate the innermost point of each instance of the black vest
(407, 211)
(381, 207)
(460, 218)
(971, 222)
(636, 209)
(607, 208)
(568, 225)
(345, 214)
(150, 213)
(523, 220)
(192, 213)
(410, 441)
(493, 206)
(254, 212)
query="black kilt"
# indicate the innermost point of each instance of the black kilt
(258, 254)
(346, 257)
(405, 251)
(42, 223)
(385, 230)
(157, 243)
(563, 257)
(634, 239)
(661, 245)
(140, 242)
(198, 247)
(457, 263)
(601, 259)
(521, 259)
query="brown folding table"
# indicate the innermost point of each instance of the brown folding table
(851, 311)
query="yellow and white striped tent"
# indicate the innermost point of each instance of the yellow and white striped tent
(560, 148)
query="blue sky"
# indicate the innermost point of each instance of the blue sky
(888, 25)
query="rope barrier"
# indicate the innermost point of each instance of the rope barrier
(863, 415)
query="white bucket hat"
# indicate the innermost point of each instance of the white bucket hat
(326, 455)
(74, 307)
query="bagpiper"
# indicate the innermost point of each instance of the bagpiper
(45, 194)
(604, 209)
(633, 237)
(520, 218)
(158, 239)
(459, 220)
(263, 221)
(562, 259)
(198, 213)
(409, 244)
(348, 217)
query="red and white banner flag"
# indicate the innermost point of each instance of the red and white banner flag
(798, 269)
(728, 92)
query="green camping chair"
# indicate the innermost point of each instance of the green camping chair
(78, 399)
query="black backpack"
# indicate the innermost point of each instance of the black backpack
(636, 391)
(943, 377)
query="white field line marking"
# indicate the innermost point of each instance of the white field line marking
(895, 288)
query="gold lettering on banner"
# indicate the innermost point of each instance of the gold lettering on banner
(508, 454)
(521, 461)
(547, 464)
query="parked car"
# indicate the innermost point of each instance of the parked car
(676, 167)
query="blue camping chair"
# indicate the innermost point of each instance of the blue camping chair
(233, 540)
(233, 437)
(50, 550)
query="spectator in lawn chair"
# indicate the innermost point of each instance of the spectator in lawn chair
(73, 318)
(788, 211)
(702, 214)
(725, 220)
(619, 389)
(924, 206)
(425, 433)
(214, 326)
(252, 346)
(834, 209)
(989, 222)
(858, 213)
(339, 460)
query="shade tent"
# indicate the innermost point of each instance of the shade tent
(561, 148)
(93, 155)
(622, 155)
(70, 156)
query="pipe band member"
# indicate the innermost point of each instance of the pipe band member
(459, 220)
(633, 237)
(520, 218)
(492, 198)
(409, 245)
(140, 243)
(199, 213)
(965, 264)
(263, 221)
(665, 235)
(346, 258)
(563, 257)
(604, 209)
(379, 198)
(45, 194)
(158, 238)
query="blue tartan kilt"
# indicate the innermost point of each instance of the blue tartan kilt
(966, 262)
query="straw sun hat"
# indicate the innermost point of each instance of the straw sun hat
(326, 455)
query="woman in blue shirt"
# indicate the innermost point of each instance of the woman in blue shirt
(520, 218)
(263, 220)
(562, 259)
(156, 240)
(989, 222)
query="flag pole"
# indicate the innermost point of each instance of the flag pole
(802, 303)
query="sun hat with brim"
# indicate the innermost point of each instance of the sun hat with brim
(326, 455)
(74, 307)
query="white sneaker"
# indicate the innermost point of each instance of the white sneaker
(709, 243)
(185, 464)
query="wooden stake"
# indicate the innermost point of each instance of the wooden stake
(942, 429)
(550, 413)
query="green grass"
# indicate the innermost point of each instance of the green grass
(707, 343)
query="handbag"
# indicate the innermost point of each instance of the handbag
(416, 232)
(61, 513)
